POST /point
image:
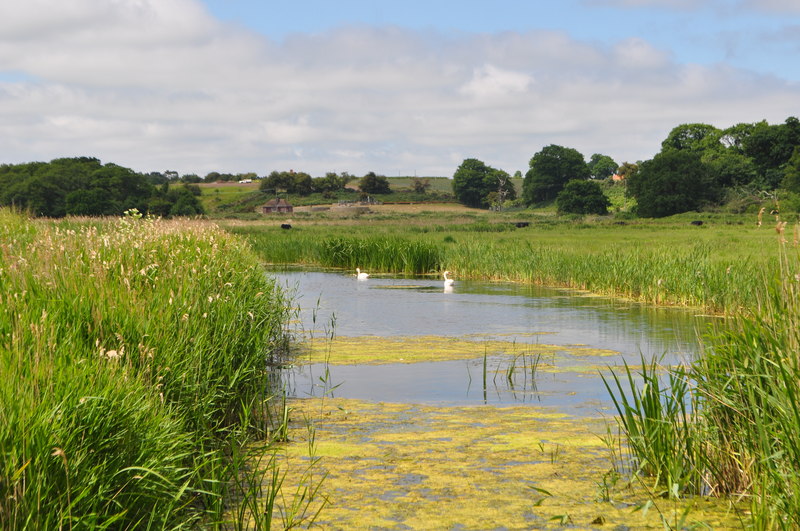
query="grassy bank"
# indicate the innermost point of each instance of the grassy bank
(133, 360)
(718, 265)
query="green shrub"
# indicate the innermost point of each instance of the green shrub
(582, 197)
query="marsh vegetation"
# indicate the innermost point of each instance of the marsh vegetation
(136, 359)
(723, 425)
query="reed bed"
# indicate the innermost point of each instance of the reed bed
(385, 253)
(134, 356)
(729, 424)
(664, 275)
(715, 275)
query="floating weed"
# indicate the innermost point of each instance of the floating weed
(345, 350)
(472, 468)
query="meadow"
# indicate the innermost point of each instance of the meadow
(136, 362)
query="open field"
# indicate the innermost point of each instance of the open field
(216, 195)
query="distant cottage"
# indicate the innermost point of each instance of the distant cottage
(277, 205)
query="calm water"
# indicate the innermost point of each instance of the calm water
(385, 306)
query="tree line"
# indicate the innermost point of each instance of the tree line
(301, 183)
(699, 165)
(82, 186)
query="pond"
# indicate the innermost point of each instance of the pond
(480, 407)
(584, 334)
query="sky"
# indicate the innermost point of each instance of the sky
(398, 88)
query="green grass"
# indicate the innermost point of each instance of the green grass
(233, 198)
(729, 424)
(716, 266)
(134, 356)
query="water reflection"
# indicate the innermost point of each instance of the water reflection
(388, 306)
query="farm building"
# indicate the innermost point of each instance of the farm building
(277, 205)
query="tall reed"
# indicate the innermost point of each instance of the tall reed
(693, 273)
(385, 253)
(742, 435)
(133, 354)
(749, 383)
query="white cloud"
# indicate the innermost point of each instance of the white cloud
(491, 83)
(159, 84)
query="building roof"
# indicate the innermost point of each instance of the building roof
(277, 202)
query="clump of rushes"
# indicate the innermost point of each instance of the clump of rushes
(730, 423)
(749, 383)
(133, 354)
(391, 254)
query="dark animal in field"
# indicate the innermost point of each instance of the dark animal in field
(286, 226)
(697, 222)
(521, 224)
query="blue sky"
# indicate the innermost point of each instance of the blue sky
(693, 31)
(393, 87)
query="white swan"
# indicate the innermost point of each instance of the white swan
(448, 282)
(360, 275)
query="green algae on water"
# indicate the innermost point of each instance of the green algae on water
(402, 466)
(343, 350)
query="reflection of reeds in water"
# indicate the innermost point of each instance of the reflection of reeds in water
(522, 366)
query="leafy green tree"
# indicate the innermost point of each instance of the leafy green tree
(291, 182)
(374, 184)
(734, 137)
(186, 203)
(674, 181)
(477, 185)
(791, 173)
(91, 202)
(729, 168)
(156, 177)
(693, 137)
(602, 166)
(332, 182)
(42, 195)
(628, 169)
(582, 197)
(550, 170)
(770, 147)
(277, 182)
(302, 184)
(169, 201)
(79, 185)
